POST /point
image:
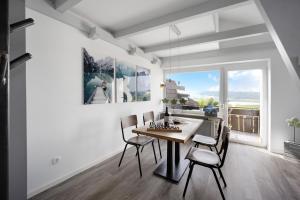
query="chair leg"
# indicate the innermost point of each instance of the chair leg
(218, 183)
(188, 178)
(221, 174)
(142, 149)
(123, 155)
(159, 148)
(154, 152)
(218, 153)
(138, 154)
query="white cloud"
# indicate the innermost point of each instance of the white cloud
(214, 88)
(212, 77)
(249, 74)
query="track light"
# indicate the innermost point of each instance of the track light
(131, 50)
(154, 61)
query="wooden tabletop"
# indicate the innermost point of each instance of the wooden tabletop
(189, 127)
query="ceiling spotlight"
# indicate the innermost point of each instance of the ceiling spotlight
(154, 61)
(131, 50)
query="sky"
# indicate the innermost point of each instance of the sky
(205, 83)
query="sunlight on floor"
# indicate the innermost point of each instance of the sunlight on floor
(245, 138)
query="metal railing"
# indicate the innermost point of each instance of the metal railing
(244, 120)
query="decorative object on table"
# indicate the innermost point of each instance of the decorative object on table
(165, 129)
(98, 78)
(166, 118)
(295, 123)
(125, 82)
(211, 111)
(159, 127)
(143, 81)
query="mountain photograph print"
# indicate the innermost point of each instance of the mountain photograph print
(98, 79)
(143, 84)
(125, 82)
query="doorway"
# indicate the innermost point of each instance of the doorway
(245, 103)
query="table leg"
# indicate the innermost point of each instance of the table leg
(177, 153)
(172, 168)
(169, 157)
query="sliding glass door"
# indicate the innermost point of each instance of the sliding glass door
(239, 94)
(245, 102)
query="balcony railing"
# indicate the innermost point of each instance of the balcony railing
(244, 120)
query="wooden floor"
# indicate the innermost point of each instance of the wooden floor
(251, 173)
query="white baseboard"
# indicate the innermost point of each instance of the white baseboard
(67, 176)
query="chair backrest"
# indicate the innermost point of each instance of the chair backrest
(225, 143)
(128, 122)
(220, 130)
(148, 116)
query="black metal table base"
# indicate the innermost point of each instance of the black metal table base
(177, 172)
(173, 168)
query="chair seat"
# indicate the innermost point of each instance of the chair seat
(204, 140)
(203, 156)
(140, 140)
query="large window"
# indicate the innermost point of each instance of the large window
(198, 88)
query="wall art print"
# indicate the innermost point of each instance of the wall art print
(98, 78)
(143, 84)
(125, 82)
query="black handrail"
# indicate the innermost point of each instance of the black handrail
(21, 24)
(3, 65)
(20, 60)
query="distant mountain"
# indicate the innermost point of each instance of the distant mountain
(234, 96)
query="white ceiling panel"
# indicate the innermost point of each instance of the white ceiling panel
(246, 41)
(194, 27)
(188, 49)
(238, 17)
(114, 15)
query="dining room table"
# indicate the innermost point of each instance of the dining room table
(173, 167)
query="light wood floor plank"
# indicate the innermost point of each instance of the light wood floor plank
(251, 173)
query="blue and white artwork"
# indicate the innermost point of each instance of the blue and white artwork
(98, 78)
(143, 84)
(125, 82)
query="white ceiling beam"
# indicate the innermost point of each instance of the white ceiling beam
(64, 5)
(225, 55)
(208, 7)
(215, 37)
(87, 27)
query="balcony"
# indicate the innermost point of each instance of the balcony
(244, 120)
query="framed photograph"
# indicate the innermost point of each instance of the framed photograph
(143, 84)
(98, 78)
(125, 82)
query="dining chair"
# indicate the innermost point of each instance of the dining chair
(209, 141)
(210, 160)
(149, 116)
(137, 141)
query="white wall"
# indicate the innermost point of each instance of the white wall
(58, 123)
(284, 30)
(284, 95)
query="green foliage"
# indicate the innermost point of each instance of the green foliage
(174, 101)
(215, 103)
(182, 101)
(207, 101)
(293, 122)
(165, 100)
(202, 103)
